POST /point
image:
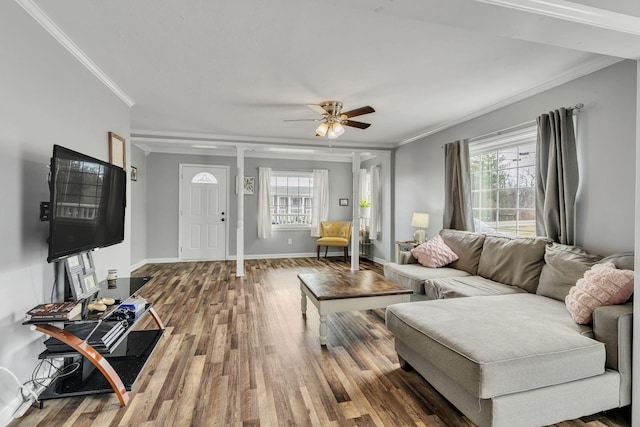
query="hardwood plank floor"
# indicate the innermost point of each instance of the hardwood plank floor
(237, 352)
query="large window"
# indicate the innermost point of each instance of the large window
(503, 175)
(291, 198)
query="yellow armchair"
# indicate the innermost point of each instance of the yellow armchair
(334, 233)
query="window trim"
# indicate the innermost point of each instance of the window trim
(501, 140)
(290, 173)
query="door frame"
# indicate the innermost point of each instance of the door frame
(226, 226)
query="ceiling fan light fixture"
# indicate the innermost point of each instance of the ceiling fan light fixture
(338, 129)
(322, 129)
(331, 134)
(333, 121)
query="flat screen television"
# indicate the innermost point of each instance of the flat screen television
(87, 204)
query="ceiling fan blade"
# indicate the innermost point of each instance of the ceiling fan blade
(303, 120)
(318, 109)
(355, 124)
(358, 112)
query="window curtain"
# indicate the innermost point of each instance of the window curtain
(458, 209)
(320, 209)
(376, 203)
(363, 184)
(264, 203)
(557, 177)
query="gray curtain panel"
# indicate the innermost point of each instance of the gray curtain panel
(458, 209)
(557, 178)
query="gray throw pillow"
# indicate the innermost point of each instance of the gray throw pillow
(623, 260)
(564, 265)
(515, 261)
(467, 245)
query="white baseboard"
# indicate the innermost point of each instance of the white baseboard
(153, 261)
(293, 255)
(247, 257)
(6, 413)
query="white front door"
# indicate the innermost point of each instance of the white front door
(203, 212)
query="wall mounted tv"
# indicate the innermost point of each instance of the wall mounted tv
(87, 203)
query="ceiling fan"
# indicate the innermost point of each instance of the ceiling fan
(334, 120)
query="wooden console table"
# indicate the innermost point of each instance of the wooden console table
(114, 369)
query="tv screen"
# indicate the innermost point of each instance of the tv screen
(87, 203)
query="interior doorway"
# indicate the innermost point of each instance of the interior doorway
(203, 212)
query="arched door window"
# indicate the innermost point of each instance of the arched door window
(204, 178)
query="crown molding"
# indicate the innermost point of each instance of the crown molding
(574, 12)
(45, 22)
(577, 72)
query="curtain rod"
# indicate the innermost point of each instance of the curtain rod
(576, 109)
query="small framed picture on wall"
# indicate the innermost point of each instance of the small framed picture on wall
(116, 150)
(343, 202)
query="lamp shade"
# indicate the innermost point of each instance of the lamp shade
(420, 220)
(322, 128)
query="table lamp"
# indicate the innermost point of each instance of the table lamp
(420, 220)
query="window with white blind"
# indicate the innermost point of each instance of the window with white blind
(291, 199)
(503, 179)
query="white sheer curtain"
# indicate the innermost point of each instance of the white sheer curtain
(363, 185)
(320, 209)
(264, 201)
(363, 194)
(375, 222)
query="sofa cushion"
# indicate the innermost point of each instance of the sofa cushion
(564, 266)
(467, 245)
(515, 261)
(602, 284)
(466, 286)
(434, 254)
(497, 345)
(413, 276)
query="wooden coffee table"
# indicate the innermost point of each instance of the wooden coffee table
(349, 291)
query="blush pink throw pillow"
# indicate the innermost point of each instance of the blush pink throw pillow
(434, 253)
(602, 284)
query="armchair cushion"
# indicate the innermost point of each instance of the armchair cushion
(332, 241)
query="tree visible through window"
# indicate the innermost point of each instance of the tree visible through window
(503, 189)
(291, 198)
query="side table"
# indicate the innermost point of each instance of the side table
(405, 245)
(366, 246)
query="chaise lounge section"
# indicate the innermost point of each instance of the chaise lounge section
(495, 337)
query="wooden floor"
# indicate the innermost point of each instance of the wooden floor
(237, 352)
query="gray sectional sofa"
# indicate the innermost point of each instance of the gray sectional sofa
(509, 352)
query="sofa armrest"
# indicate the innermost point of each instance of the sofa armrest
(612, 325)
(405, 257)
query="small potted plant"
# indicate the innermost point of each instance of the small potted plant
(365, 208)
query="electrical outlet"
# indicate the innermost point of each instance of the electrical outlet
(290, 241)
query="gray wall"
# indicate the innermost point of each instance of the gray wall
(162, 172)
(47, 98)
(606, 150)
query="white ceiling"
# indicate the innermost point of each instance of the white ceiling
(202, 72)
